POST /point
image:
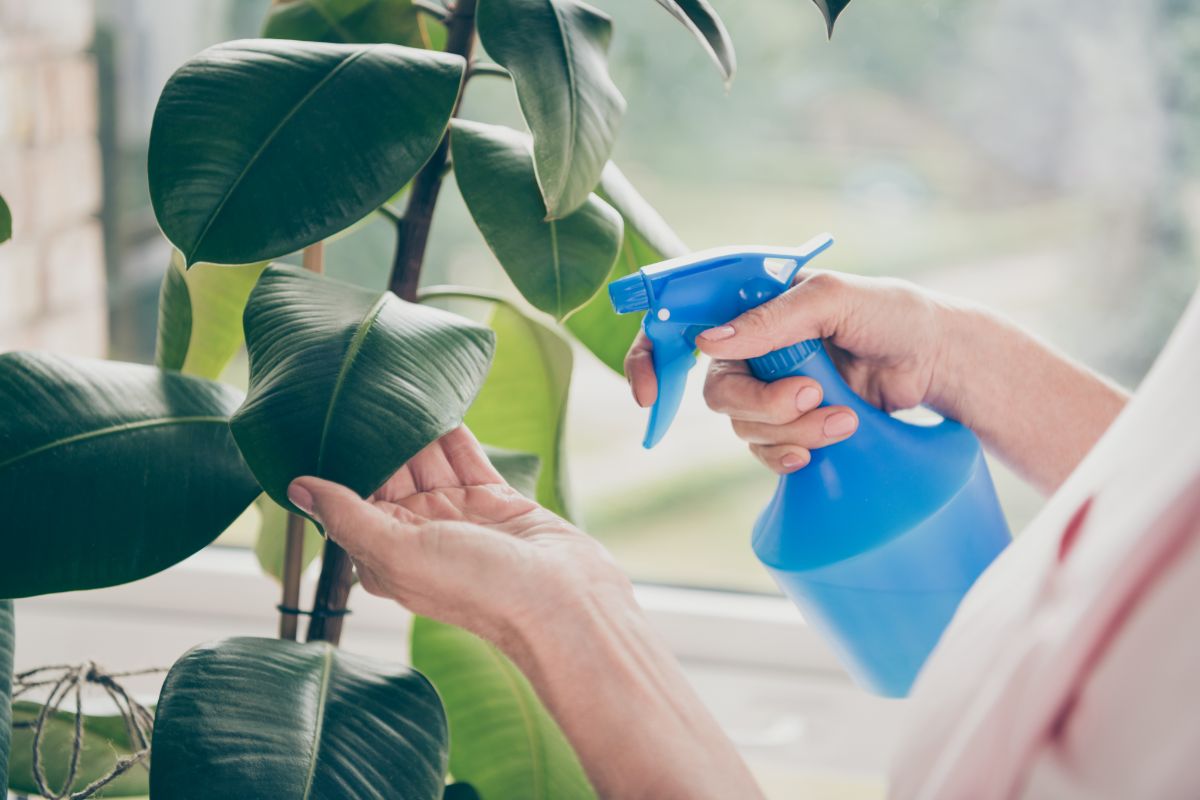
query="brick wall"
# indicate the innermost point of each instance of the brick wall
(52, 281)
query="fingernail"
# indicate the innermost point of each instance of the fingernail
(807, 398)
(717, 334)
(793, 460)
(840, 424)
(301, 498)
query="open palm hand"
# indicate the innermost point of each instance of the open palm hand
(447, 537)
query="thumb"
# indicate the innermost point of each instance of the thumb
(809, 310)
(344, 515)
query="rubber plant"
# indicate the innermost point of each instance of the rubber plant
(110, 472)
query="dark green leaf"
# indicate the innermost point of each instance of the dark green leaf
(110, 472)
(556, 264)
(348, 384)
(5, 221)
(831, 9)
(259, 718)
(200, 316)
(519, 469)
(460, 791)
(349, 22)
(648, 239)
(271, 543)
(104, 739)
(7, 645)
(700, 18)
(261, 147)
(557, 53)
(503, 741)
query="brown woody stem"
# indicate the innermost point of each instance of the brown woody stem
(412, 237)
(293, 547)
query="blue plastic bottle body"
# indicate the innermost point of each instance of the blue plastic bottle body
(880, 536)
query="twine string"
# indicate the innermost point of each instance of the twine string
(69, 681)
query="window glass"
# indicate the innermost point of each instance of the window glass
(1036, 157)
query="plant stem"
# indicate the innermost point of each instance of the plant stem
(412, 237)
(413, 233)
(293, 546)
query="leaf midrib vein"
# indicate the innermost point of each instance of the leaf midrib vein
(535, 754)
(356, 343)
(111, 430)
(270, 138)
(572, 97)
(318, 728)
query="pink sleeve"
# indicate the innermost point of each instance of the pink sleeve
(1073, 669)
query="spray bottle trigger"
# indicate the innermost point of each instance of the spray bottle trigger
(674, 354)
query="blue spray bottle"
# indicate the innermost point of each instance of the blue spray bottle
(880, 536)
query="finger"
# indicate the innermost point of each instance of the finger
(809, 310)
(819, 428)
(346, 518)
(782, 459)
(431, 468)
(466, 457)
(639, 371)
(730, 389)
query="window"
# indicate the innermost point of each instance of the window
(987, 149)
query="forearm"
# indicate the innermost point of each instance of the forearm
(624, 703)
(1035, 408)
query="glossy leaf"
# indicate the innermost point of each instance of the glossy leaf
(556, 264)
(502, 740)
(5, 221)
(523, 404)
(700, 18)
(105, 738)
(831, 9)
(7, 645)
(261, 147)
(349, 22)
(200, 316)
(346, 383)
(110, 472)
(648, 239)
(557, 53)
(271, 543)
(521, 470)
(249, 717)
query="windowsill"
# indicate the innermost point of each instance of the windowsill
(773, 685)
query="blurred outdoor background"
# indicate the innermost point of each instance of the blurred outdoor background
(1039, 157)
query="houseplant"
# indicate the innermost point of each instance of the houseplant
(260, 149)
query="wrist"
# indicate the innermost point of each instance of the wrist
(964, 343)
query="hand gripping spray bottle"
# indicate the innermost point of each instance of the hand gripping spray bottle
(880, 536)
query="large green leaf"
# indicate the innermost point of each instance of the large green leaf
(105, 738)
(349, 22)
(261, 147)
(260, 718)
(556, 264)
(502, 740)
(831, 9)
(346, 383)
(700, 18)
(5, 221)
(110, 472)
(200, 315)
(557, 52)
(523, 404)
(648, 239)
(7, 645)
(271, 543)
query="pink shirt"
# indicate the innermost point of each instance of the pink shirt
(1072, 669)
